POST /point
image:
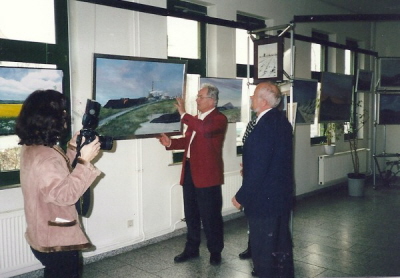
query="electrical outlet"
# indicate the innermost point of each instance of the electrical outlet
(130, 223)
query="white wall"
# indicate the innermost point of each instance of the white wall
(140, 184)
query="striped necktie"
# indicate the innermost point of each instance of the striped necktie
(249, 128)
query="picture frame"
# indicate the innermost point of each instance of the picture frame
(230, 96)
(138, 95)
(389, 73)
(305, 96)
(336, 97)
(364, 81)
(17, 83)
(389, 109)
(268, 59)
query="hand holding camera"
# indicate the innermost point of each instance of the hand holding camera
(91, 150)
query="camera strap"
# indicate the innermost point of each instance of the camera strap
(83, 204)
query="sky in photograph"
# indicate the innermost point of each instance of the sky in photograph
(18, 83)
(130, 78)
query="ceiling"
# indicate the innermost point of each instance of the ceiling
(367, 6)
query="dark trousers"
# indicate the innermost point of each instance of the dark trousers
(64, 264)
(271, 246)
(202, 206)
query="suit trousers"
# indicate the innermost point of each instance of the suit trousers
(271, 246)
(202, 206)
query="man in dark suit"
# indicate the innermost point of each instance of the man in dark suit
(267, 187)
(202, 173)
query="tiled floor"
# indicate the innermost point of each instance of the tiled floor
(334, 236)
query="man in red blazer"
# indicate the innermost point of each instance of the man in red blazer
(202, 173)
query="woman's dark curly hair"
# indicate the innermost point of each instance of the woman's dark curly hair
(43, 118)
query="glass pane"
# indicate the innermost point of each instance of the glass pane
(242, 49)
(183, 38)
(315, 57)
(347, 62)
(27, 20)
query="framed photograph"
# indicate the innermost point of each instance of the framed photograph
(268, 59)
(336, 97)
(364, 81)
(389, 109)
(389, 73)
(230, 96)
(16, 84)
(305, 97)
(137, 95)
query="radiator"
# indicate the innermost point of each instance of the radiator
(14, 251)
(334, 168)
(233, 181)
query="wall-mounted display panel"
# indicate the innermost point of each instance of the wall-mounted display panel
(305, 98)
(389, 73)
(138, 95)
(389, 109)
(364, 81)
(336, 97)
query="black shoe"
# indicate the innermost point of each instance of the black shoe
(254, 273)
(245, 254)
(185, 255)
(215, 258)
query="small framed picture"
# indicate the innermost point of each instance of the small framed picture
(268, 59)
(389, 73)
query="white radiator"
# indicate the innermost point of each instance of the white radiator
(14, 251)
(233, 181)
(333, 168)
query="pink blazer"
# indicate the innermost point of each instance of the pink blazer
(206, 162)
(50, 192)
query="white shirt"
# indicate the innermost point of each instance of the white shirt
(200, 116)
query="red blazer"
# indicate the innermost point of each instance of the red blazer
(206, 162)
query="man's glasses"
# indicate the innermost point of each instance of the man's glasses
(201, 97)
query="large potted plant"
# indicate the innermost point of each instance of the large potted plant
(356, 180)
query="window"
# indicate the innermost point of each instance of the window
(244, 45)
(187, 38)
(183, 38)
(39, 39)
(350, 63)
(27, 20)
(319, 63)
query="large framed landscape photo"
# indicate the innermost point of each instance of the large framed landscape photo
(16, 83)
(138, 95)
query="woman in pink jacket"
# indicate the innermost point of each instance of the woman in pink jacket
(49, 184)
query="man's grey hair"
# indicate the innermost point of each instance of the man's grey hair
(271, 94)
(212, 92)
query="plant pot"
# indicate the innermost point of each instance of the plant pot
(329, 149)
(356, 184)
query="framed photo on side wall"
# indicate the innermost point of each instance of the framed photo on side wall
(268, 59)
(389, 73)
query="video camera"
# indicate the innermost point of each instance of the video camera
(90, 122)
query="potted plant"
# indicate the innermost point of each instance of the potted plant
(332, 131)
(356, 180)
